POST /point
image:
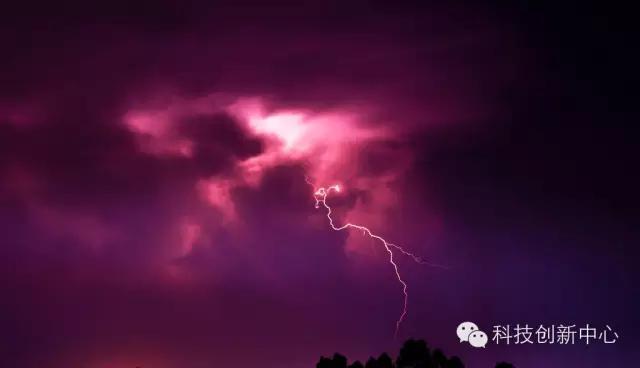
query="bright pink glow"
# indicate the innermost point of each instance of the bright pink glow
(154, 135)
(320, 197)
(326, 141)
(289, 127)
(323, 139)
(190, 234)
(217, 192)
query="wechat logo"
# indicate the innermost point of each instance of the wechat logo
(469, 332)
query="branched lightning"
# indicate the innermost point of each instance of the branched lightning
(320, 196)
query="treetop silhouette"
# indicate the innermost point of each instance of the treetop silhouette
(413, 354)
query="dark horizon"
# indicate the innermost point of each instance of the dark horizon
(155, 161)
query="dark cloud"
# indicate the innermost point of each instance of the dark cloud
(219, 140)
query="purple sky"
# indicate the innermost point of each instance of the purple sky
(154, 210)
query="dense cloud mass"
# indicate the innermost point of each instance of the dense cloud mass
(158, 164)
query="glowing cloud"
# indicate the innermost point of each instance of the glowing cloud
(326, 142)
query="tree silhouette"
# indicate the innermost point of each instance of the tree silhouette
(454, 362)
(371, 363)
(338, 361)
(416, 354)
(413, 354)
(439, 359)
(324, 363)
(385, 361)
(505, 365)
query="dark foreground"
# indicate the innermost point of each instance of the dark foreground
(414, 354)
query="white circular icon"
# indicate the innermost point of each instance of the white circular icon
(464, 329)
(478, 339)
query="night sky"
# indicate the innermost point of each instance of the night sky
(155, 161)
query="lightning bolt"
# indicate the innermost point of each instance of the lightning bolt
(320, 196)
